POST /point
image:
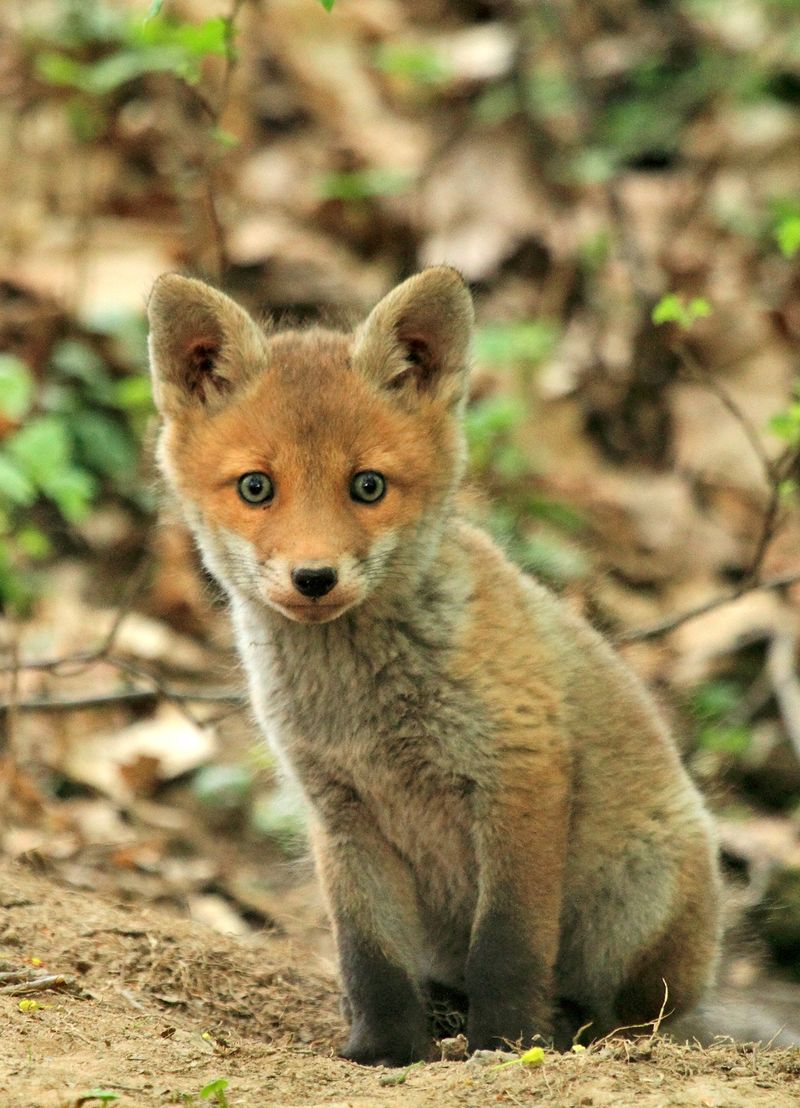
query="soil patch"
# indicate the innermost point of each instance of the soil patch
(161, 1007)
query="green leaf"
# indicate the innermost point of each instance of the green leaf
(16, 387)
(154, 9)
(489, 426)
(217, 1090)
(41, 447)
(34, 543)
(510, 344)
(128, 65)
(787, 233)
(363, 184)
(715, 700)
(419, 63)
(81, 362)
(60, 69)
(497, 104)
(226, 139)
(562, 515)
(196, 39)
(671, 309)
(105, 1096)
(699, 308)
(786, 424)
(15, 486)
(134, 394)
(72, 490)
(668, 310)
(734, 740)
(327, 4)
(104, 445)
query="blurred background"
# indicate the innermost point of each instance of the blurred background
(619, 182)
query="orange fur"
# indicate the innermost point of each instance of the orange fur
(496, 806)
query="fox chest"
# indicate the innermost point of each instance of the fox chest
(391, 731)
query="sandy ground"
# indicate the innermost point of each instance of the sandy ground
(161, 1007)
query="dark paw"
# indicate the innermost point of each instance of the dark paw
(391, 1054)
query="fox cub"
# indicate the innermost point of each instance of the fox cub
(496, 808)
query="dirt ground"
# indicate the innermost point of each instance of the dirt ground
(161, 1007)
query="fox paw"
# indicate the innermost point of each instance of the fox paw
(393, 1054)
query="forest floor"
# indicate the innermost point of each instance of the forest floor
(157, 1008)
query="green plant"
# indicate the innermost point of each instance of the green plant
(216, 1089)
(68, 439)
(417, 63)
(521, 345)
(715, 706)
(787, 233)
(672, 308)
(131, 48)
(362, 184)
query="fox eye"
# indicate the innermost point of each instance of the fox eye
(368, 486)
(255, 488)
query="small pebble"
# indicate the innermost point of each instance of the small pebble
(488, 1057)
(455, 1049)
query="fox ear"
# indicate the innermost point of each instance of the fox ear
(202, 345)
(417, 338)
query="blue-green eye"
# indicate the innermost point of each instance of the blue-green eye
(255, 488)
(368, 486)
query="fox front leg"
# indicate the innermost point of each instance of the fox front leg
(372, 905)
(520, 839)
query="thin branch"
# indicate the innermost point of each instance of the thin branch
(703, 377)
(125, 696)
(13, 697)
(664, 626)
(231, 57)
(781, 666)
(214, 113)
(158, 689)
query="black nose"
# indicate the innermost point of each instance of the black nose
(314, 582)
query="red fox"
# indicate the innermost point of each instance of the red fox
(496, 808)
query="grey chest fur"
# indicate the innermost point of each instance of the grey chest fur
(374, 707)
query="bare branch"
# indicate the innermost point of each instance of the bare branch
(703, 377)
(664, 626)
(77, 663)
(126, 696)
(781, 666)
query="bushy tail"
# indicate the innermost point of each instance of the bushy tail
(737, 1019)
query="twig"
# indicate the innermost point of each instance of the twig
(126, 696)
(13, 693)
(664, 626)
(230, 57)
(97, 657)
(214, 112)
(40, 984)
(702, 376)
(781, 668)
(776, 470)
(657, 1023)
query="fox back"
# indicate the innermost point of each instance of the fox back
(496, 808)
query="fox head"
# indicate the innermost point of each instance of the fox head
(314, 467)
